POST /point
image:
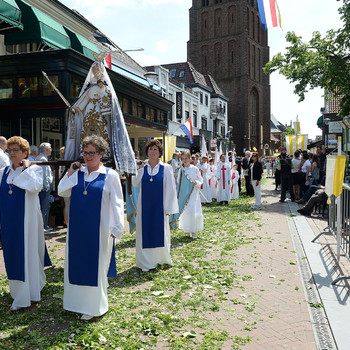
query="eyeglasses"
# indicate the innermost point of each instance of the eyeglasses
(14, 150)
(90, 154)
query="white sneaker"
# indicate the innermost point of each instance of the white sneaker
(194, 235)
(86, 317)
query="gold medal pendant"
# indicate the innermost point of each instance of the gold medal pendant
(85, 193)
(10, 191)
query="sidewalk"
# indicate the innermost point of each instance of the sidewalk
(328, 311)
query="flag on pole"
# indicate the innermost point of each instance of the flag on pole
(294, 142)
(108, 61)
(335, 172)
(269, 13)
(204, 151)
(187, 129)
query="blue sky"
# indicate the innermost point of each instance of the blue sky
(161, 27)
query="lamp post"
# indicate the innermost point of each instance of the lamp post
(152, 78)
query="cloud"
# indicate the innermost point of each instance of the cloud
(146, 60)
(162, 46)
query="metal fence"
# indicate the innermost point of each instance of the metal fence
(339, 224)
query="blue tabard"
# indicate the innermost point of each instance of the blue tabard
(152, 209)
(84, 232)
(12, 208)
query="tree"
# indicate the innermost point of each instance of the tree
(322, 62)
(289, 131)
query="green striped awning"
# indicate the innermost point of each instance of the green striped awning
(38, 28)
(10, 16)
(81, 44)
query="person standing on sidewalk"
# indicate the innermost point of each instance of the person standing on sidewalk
(247, 161)
(44, 195)
(255, 174)
(285, 166)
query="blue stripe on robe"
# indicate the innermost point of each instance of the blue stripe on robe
(152, 209)
(84, 231)
(12, 207)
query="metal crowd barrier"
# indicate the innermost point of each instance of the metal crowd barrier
(339, 224)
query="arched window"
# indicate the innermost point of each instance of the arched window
(254, 110)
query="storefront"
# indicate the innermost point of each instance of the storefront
(30, 107)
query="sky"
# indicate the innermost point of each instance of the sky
(161, 28)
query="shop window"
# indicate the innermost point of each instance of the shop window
(6, 88)
(27, 87)
(75, 86)
(126, 105)
(46, 88)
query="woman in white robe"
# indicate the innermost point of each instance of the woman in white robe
(23, 240)
(223, 175)
(204, 168)
(157, 199)
(94, 223)
(191, 219)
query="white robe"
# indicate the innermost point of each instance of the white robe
(149, 258)
(213, 182)
(234, 186)
(224, 194)
(86, 299)
(191, 219)
(206, 190)
(30, 180)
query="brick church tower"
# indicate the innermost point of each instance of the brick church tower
(227, 42)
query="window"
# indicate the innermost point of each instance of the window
(253, 98)
(126, 105)
(204, 124)
(172, 73)
(181, 73)
(141, 110)
(6, 88)
(206, 100)
(222, 130)
(201, 97)
(75, 86)
(195, 121)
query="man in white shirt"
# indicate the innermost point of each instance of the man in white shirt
(4, 159)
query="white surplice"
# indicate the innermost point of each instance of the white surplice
(224, 180)
(149, 258)
(30, 180)
(205, 188)
(191, 219)
(234, 185)
(213, 182)
(86, 299)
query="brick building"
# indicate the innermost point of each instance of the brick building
(227, 42)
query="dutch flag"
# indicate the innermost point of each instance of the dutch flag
(187, 129)
(269, 13)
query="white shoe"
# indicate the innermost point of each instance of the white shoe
(14, 308)
(194, 235)
(86, 317)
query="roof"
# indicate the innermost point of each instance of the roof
(275, 124)
(185, 73)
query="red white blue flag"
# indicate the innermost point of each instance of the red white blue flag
(187, 129)
(269, 13)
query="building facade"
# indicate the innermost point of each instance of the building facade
(228, 43)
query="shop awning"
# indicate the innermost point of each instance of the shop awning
(320, 122)
(80, 44)
(38, 28)
(10, 16)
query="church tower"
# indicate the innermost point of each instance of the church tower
(227, 42)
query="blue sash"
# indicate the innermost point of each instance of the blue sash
(12, 228)
(84, 231)
(152, 209)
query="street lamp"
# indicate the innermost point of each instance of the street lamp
(152, 78)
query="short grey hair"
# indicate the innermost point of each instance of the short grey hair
(44, 147)
(98, 142)
(33, 149)
(247, 152)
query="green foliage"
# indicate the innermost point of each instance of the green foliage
(289, 131)
(322, 62)
(177, 307)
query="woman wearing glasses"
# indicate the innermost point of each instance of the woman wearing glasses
(96, 218)
(21, 223)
